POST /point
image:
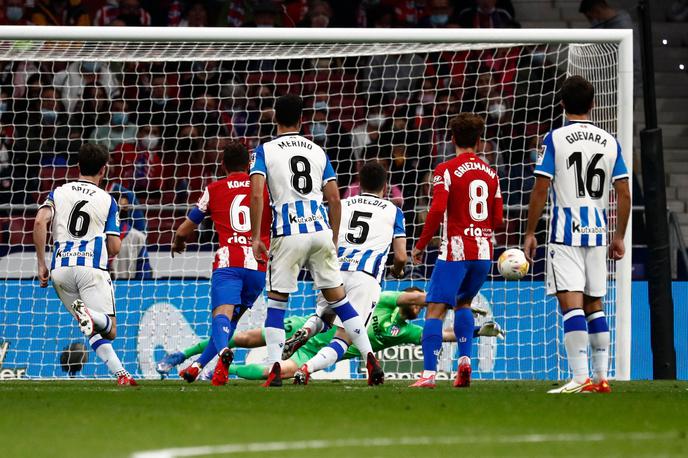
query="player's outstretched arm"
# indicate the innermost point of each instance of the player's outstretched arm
(334, 207)
(40, 237)
(411, 298)
(538, 198)
(260, 251)
(182, 235)
(623, 211)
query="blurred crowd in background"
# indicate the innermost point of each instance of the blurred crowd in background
(166, 123)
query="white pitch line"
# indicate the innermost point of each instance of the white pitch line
(253, 447)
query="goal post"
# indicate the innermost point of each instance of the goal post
(382, 94)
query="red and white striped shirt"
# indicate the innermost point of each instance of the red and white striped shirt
(226, 201)
(468, 203)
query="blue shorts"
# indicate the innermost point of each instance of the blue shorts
(236, 286)
(452, 281)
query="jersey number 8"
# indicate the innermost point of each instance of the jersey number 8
(301, 174)
(478, 194)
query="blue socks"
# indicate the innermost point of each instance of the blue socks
(463, 329)
(431, 343)
(222, 332)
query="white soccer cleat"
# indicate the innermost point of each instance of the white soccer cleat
(479, 309)
(83, 317)
(492, 329)
(574, 387)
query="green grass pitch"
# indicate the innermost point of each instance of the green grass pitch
(339, 419)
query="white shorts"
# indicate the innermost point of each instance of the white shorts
(289, 254)
(363, 291)
(92, 286)
(577, 268)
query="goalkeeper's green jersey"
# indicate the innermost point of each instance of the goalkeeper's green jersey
(387, 328)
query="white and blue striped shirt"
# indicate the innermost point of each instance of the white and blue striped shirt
(296, 170)
(83, 216)
(368, 226)
(582, 161)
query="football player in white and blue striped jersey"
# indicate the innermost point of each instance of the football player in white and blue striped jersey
(581, 162)
(299, 176)
(85, 230)
(369, 225)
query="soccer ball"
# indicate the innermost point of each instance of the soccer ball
(512, 264)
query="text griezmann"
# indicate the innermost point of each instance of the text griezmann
(468, 166)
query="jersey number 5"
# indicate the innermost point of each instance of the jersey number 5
(239, 215)
(478, 193)
(358, 221)
(79, 220)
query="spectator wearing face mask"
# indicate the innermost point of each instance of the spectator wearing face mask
(367, 133)
(319, 15)
(40, 144)
(59, 12)
(132, 262)
(438, 14)
(486, 15)
(15, 13)
(91, 111)
(110, 12)
(265, 14)
(118, 130)
(329, 134)
(137, 165)
(76, 76)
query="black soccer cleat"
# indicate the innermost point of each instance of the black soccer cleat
(296, 341)
(275, 376)
(302, 376)
(376, 376)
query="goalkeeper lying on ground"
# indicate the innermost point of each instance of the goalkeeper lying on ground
(387, 328)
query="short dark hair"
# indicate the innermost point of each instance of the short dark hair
(92, 158)
(288, 109)
(587, 5)
(372, 177)
(235, 157)
(577, 95)
(467, 128)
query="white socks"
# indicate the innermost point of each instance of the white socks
(327, 356)
(598, 332)
(314, 325)
(106, 353)
(353, 325)
(576, 343)
(102, 322)
(274, 330)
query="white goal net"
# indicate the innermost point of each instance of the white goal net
(166, 109)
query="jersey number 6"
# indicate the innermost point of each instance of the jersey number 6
(78, 220)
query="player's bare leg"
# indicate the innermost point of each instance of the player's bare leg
(598, 335)
(575, 342)
(355, 330)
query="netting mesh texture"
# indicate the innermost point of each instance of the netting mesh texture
(165, 111)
